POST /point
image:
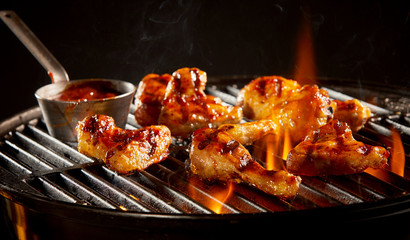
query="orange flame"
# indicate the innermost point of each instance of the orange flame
(378, 173)
(287, 144)
(270, 151)
(305, 72)
(212, 196)
(397, 154)
(221, 197)
(277, 149)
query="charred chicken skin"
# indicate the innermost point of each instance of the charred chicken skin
(353, 112)
(186, 107)
(216, 155)
(298, 110)
(150, 93)
(122, 150)
(332, 150)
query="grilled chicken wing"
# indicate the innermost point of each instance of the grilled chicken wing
(249, 132)
(303, 112)
(332, 150)
(122, 150)
(187, 108)
(353, 112)
(150, 93)
(216, 155)
(298, 110)
(263, 94)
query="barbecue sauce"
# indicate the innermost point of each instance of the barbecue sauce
(86, 91)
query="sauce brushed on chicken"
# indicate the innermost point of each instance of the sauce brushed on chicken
(332, 150)
(352, 112)
(122, 150)
(148, 99)
(298, 110)
(216, 155)
(186, 107)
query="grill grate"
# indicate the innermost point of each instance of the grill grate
(35, 163)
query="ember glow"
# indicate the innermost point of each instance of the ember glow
(123, 208)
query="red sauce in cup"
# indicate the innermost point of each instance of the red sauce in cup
(89, 90)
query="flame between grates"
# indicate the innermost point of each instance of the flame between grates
(33, 162)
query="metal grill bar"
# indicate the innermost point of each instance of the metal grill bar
(181, 184)
(13, 166)
(318, 198)
(42, 165)
(81, 191)
(239, 201)
(42, 152)
(135, 190)
(350, 186)
(60, 148)
(331, 190)
(26, 158)
(120, 198)
(168, 192)
(51, 190)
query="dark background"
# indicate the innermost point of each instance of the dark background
(365, 41)
(359, 40)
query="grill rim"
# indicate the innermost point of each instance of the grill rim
(350, 213)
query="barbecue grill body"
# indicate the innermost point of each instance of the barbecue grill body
(366, 41)
(38, 218)
(29, 212)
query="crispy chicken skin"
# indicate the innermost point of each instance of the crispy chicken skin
(332, 150)
(150, 93)
(187, 108)
(216, 155)
(298, 110)
(246, 133)
(353, 112)
(303, 112)
(262, 94)
(122, 150)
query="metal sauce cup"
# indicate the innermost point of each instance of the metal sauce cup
(61, 117)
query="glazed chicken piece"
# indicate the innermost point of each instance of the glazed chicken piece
(298, 110)
(262, 94)
(150, 93)
(187, 108)
(122, 150)
(248, 132)
(305, 111)
(332, 150)
(216, 155)
(353, 112)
